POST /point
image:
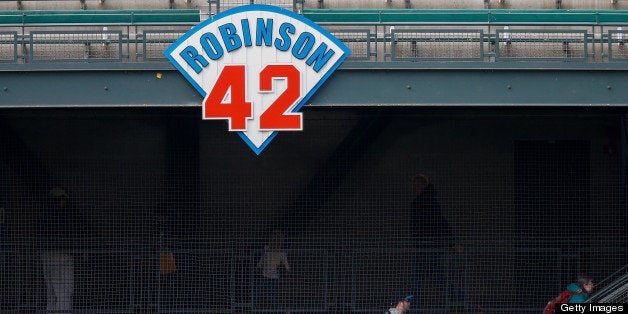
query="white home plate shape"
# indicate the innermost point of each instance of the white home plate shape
(256, 66)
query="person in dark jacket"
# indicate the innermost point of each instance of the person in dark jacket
(430, 228)
(433, 237)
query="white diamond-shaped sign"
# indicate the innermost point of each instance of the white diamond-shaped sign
(256, 66)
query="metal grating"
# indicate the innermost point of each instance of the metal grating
(617, 50)
(442, 45)
(542, 45)
(154, 42)
(292, 5)
(8, 46)
(361, 43)
(46, 46)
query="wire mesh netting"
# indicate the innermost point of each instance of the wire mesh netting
(157, 41)
(616, 46)
(155, 210)
(417, 44)
(542, 44)
(76, 45)
(361, 42)
(286, 4)
(8, 42)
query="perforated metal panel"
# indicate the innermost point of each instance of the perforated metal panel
(519, 44)
(437, 45)
(50, 46)
(8, 46)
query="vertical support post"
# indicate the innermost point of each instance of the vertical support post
(26, 52)
(158, 270)
(209, 6)
(297, 6)
(566, 51)
(128, 41)
(386, 39)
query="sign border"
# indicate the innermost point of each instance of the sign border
(265, 8)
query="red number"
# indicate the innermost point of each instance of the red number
(231, 81)
(276, 117)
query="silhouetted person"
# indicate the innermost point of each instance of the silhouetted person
(271, 262)
(57, 244)
(433, 237)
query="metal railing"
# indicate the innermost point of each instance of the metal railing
(361, 279)
(373, 36)
(479, 35)
(615, 288)
(96, 43)
(217, 6)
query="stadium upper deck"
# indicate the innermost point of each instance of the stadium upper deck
(314, 4)
(386, 30)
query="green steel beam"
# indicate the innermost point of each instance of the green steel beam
(99, 17)
(571, 17)
(353, 84)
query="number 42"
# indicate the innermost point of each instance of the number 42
(232, 81)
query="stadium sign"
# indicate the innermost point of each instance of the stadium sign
(256, 66)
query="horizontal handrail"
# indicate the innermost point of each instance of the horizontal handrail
(600, 35)
(471, 16)
(451, 16)
(99, 17)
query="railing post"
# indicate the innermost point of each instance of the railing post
(297, 6)
(128, 43)
(209, 6)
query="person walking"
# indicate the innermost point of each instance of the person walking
(581, 289)
(273, 259)
(433, 238)
(400, 305)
